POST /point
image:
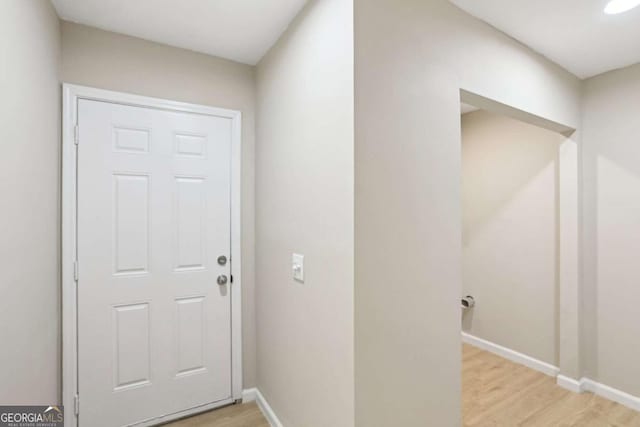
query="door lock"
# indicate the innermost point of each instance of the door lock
(222, 260)
(222, 280)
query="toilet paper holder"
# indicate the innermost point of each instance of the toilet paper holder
(467, 302)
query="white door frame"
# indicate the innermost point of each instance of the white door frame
(71, 95)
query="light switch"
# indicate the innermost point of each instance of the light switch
(297, 265)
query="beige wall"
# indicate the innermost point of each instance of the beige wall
(611, 209)
(106, 60)
(411, 59)
(29, 218)
(509, 232)
(304, 193)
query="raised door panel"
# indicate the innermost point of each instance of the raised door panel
(131, 224)
(190, 215)
(131, 346)
(190, 336)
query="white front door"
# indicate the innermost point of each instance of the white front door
(154, 325)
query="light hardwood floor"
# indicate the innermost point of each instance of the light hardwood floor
(243, 415)
(497, 392)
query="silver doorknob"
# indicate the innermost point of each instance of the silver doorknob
(222, 279)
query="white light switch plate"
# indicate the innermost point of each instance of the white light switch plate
(297, 266)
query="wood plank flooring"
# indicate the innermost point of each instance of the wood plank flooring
(498, 392)
(243, 415)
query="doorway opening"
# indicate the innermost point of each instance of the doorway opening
(519, 243)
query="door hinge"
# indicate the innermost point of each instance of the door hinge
(76, 404)
(76, 134)
(75, 270)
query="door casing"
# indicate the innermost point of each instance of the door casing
(71, 95)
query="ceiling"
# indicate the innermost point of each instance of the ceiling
(575, 34)
(240, 30)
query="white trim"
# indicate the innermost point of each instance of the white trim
(611, 393)
(602, 390)
(512, 355)
(267, 411)
(68, 236)
(236, 253)
(71, 94)
(249, 395)
(570, 384)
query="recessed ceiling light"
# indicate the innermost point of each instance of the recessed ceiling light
(619, 6)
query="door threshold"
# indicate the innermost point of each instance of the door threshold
(164, 419)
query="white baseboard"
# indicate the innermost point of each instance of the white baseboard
(602, 390)
(611, 393)
(249, 395)
(570, 384)
(514, 356)
(584, 384)
(253, 394)
(576, 386)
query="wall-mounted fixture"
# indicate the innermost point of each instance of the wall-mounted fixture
(467, 302)
(297, 265)
(619, 6)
